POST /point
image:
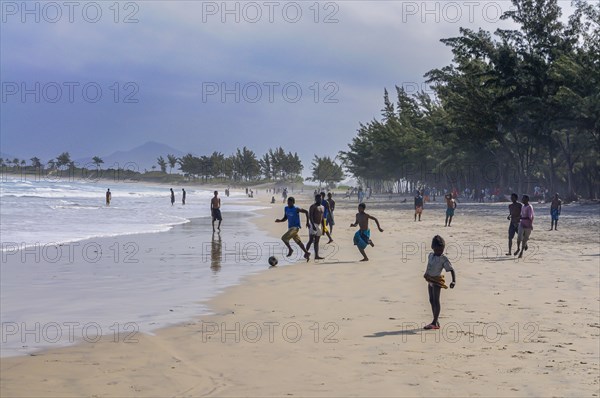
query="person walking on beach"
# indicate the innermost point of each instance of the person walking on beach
(525, 226)
(183, 196)
(450, 206)
(172, 197)
(418, 205)
(215, 210)
(362, 237)
(437, 262)
(315, 227)
(361, 195)
(326, 213)
(284, 194)
(108, 197)
(555, 209)
(330, 220)
(291, 213)
(514, 215)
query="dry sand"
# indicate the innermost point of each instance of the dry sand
(528, 327)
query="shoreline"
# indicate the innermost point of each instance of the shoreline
(360, 325)
(119, 253)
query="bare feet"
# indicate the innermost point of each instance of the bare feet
(307, 256)
(364, 259)
(371, 243)
(330, 240)
(290, 252)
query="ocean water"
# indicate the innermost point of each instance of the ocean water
(41, 212)
(143, 265)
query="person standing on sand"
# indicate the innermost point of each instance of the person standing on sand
(418, 205)
(360, 194)
(108, 197)
(514, 210)
(362, 237)
(183, 196)
(525, 226)
(555, 209)
(450, 206)
(330, 220)
(326, 214)
(315, 227)
(215, 210)
(291, 213)
(435, 280)
(172, 197)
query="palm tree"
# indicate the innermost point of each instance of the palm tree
(172, 159)
(97, 161)
(36, 163)
(63, 159)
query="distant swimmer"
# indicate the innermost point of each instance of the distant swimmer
(291, 213)
(108, 197)
(437, 262)
(418, 205)
(514, 210)
(450, 206)
(183, 196)
(525, 226)
(362, 237)
(172, 197)
(215, 210)
(315, 227)
(555, 209)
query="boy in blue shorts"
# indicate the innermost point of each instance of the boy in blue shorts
(362, 237)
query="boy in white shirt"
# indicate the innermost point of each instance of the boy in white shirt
(433, 275)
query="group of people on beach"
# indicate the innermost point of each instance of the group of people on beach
(450, 206)
(319, 222)
(521, 217)
(316, 223)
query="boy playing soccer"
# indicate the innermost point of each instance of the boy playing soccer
(291, 213)
(433, 275)
(362, 237)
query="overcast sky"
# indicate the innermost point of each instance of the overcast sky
(206, 76)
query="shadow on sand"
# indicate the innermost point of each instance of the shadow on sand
(395, 333)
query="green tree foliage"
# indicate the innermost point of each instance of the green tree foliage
(325, 170)
(36, 162)
(162, 163)
(172, 160)
(64, 159)
(97, 161)
(516, 108)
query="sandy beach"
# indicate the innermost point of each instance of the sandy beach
(514, 328)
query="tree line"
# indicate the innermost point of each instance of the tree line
(517, 109)
(242, 166)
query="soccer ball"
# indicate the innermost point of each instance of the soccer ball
(273, 261)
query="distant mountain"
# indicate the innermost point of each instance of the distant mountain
(139, 158)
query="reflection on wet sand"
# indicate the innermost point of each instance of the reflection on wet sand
(215, 252)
